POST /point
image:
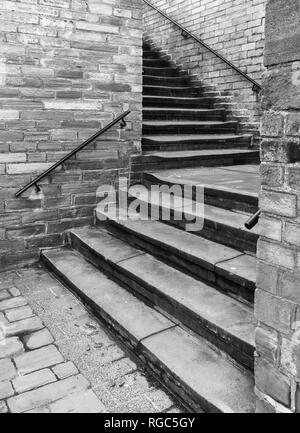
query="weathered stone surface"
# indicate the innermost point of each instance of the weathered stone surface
(7, 369)
(33, 380)
(282, 32)
(38, 339)
(67, 369)
(47, 394)
(273, 311)
(12, 303)
(24, 326)
(38, 359)
(6, 390)
(84, 402)
(272, 382)
(267, 277)
(20, 313)
(290, 355)
(267, 343)
(3, 407)
(12, 347)
(289, 286)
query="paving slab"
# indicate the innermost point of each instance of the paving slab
(38, 359)
(47, 394)
(33, 380)
(38, 339)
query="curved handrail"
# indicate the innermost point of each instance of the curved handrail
(72, 153)
(256, 87)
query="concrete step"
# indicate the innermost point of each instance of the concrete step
(225, 195)
(222, 320)
(180, 91)
(153, 80)
(194, 158)
(226, 268)
(176, 102)
(189, 127)
(219, 225)
(155, 113)
(201, 377)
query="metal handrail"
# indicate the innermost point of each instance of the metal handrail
(256, 87)
(253, 220)
(72, 153)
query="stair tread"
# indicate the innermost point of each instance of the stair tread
(218, 178)
(187, 122)
(179, 137)
(217, 214)
(219, 384)
(204, 152)
(211, 254)
(229, 389)
(204, 301)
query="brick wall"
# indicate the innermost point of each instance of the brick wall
(67, 68)
(278, 282)
(234, 28)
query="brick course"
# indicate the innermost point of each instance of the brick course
(234, 28)
(67, 68)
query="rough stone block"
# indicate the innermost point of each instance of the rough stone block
(38, 339)
(6, 390)
(289, 286)
(276, 254)
(12, 347)
(65, 370)
(24, 326)
(84, 402)
(12, 303)
(272, 382)
(267, 344)
(282, 32)
(20, 313)
(38, 359)
(278, 203)
(33, 380)
(273, 311)
(7, 369)
(47, 394)
(267, 277)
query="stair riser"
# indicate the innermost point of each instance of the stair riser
(192, 401)
(236, 348)
(147, 54)
(204, 271)
(169, 147)
(229, 128)
(156, 63)
(165, 81)
(154, 163)
(178, 103)
(163, 72)
(219, 198)
(187, 92)
(183, 115)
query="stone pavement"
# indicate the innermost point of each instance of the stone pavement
(56, 357)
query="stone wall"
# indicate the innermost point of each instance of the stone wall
(67, 68)
(278, 282)
(234, 28)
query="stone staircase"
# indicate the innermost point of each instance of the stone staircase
(180, 302)
(181, 126)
